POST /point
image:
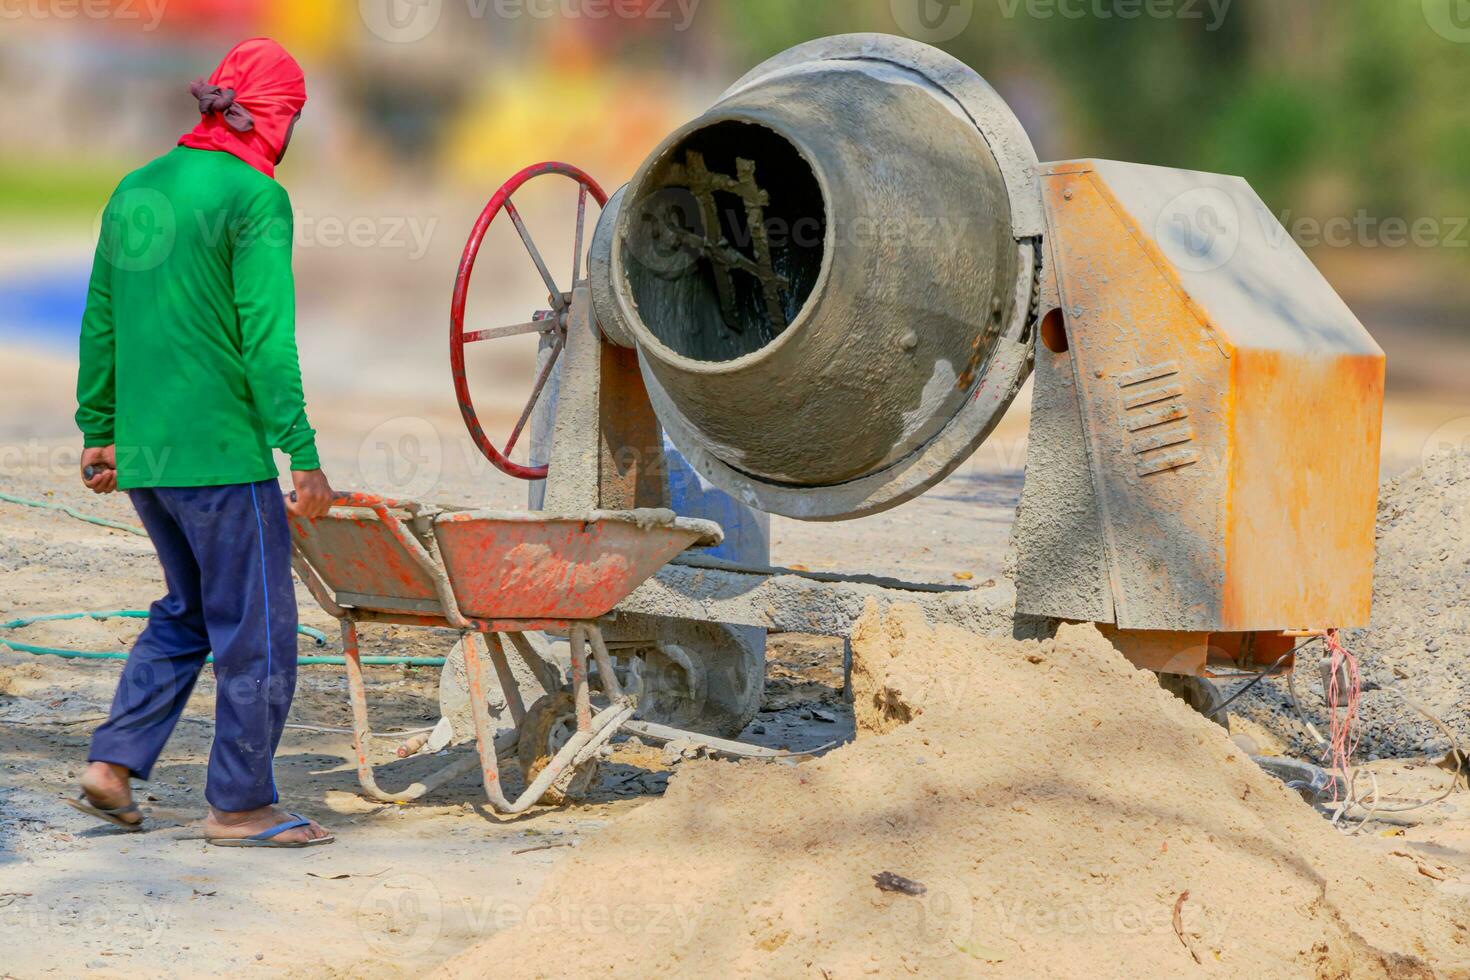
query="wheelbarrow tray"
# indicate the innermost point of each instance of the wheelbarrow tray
(365, 564)
(534, 565)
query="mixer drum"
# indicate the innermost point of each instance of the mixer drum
(819, 273)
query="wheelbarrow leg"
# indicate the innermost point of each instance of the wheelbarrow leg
(480, 712)
(509, 686)
(592, 732)
(547, 674)
(610, 685)
(581, 696)
(357, 692)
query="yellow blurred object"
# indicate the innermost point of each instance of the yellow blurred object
(311, 30)
(603, 121)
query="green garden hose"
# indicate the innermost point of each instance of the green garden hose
(73, 512)
(15, 624)
(317, 635)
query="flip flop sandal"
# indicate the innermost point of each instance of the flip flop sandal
(113, 816)
(266, 838)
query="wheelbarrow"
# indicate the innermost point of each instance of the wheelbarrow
(494, 573)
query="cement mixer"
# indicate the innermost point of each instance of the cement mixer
(828, 288)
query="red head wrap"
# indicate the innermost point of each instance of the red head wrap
(248, 104)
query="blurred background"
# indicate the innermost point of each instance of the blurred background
(1350, 118)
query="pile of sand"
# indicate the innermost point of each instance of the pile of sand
(1064, 814)
(1421, 618)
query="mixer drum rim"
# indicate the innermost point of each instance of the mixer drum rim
(988, 112)
(1007, 368)
(646, 339)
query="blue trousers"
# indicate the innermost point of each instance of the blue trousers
(226, 555)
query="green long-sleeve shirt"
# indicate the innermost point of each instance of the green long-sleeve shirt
(188, 351)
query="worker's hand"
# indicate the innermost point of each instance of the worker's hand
(102, 462)
(313, 496)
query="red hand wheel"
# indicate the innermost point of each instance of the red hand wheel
(552, 321)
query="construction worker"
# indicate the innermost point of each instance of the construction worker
(188, 380)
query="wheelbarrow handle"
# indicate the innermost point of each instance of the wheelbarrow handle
(353, 498)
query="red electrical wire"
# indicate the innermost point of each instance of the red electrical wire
(1345, 728)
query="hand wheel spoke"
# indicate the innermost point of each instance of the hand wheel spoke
(515, 216)
(495, 333)
(541, 380)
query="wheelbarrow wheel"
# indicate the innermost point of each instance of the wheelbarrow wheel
(547, 726)
(454, 695)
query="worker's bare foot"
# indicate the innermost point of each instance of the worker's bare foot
(106, 786)
(224, 825)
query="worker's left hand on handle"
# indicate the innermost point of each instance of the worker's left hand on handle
(99, 468)
(312, 497)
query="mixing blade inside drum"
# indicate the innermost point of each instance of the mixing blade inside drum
(727, 243)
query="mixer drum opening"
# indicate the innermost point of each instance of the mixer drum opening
(725, 242)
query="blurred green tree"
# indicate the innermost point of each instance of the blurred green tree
(1324, 105)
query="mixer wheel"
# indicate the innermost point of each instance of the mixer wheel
(702, 676)
(1197, 692)
(548, 724)
(454, 691)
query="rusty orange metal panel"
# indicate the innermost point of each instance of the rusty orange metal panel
(1232, 403)
(1304, 490)
(1199, 654)
(357, 556)
(630, 469)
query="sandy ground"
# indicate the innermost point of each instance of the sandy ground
(390, 898)
(165, 904)
(1125, 837)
